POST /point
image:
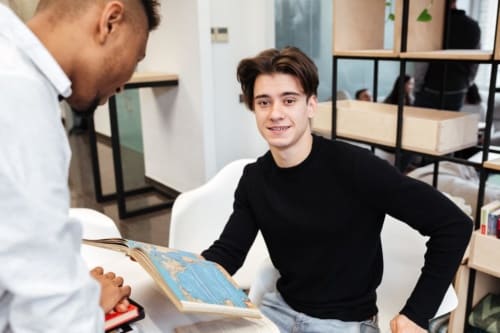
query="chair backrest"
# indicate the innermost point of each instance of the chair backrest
(343, 94)
(95, 224)
(199, 216)
(404, 250)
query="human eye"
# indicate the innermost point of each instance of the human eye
(263, 102)
(289, 100)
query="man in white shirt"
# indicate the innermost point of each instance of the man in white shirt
(83, 51)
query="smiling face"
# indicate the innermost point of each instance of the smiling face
(282, 111)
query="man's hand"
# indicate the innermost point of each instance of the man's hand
(401, 324)
(113, 293)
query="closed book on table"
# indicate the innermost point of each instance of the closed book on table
(115, 319)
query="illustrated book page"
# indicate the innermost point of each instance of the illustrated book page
(192, 283)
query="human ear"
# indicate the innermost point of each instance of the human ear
(112, 14)
(312, 104)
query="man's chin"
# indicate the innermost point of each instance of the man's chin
(87, 111)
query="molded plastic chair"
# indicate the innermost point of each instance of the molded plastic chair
(95, 224)
(342, 94)
(404, 250)
(199, 216)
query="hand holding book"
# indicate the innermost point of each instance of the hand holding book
(113, 293)
(192, 283)
(114, 319)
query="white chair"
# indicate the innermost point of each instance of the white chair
(342, 94)
(404, 250)
(95, 224)
(199, 216)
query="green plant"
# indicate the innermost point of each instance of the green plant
(424, 16)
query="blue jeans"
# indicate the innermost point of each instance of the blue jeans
(288, 320)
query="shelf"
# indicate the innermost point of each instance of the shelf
(428, 131)
(479, 55)
(149, 77)
(485, 254)
(365, 23)
(425, 36)
(497, 41)
(425, 39)
(485, 284)
(492, 164)
(382, 53)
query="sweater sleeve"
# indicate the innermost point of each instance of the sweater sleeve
(232, 247)
(426, 210)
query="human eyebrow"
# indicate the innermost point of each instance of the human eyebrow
(261, 96)
(290, 93)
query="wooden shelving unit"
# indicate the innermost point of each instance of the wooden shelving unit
(478, 55)
(358, 34)
(365, 22)
(425, 40)
(428, 131)
(492, 164)
(485, 254)
(496, 53)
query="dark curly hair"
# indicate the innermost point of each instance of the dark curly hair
(151, 8)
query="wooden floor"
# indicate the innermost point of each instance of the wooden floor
(152, 228)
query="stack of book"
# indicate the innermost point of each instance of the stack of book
(490, 219)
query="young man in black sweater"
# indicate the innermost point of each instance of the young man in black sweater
(320, 205)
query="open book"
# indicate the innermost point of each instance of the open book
(192, 283)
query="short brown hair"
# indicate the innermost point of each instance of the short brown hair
(289, 60)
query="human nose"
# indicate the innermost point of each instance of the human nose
(276, 112)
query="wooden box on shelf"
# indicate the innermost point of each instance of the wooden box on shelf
(485, 254)
(427, 131)
(359, 25)
(493, 164)
(497, 41)
(425, 39)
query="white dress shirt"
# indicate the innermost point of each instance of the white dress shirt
(45, 285)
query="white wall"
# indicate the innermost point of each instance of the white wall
(178, 144)
(193, 130)
(251, 29)
(101, 120)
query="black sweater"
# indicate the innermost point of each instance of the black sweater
(321, 221)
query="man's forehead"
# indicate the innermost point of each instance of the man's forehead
(277, 83)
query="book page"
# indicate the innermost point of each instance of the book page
(115, 244)
(198, 285)
(231, 325)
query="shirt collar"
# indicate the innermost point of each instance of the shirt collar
(15, 30)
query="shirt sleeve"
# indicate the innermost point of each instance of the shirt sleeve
(426, 210)
(45, 286)
(232, 247)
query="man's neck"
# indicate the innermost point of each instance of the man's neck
(58, 42)
(292, 156)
